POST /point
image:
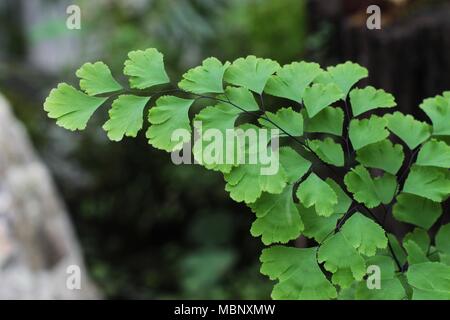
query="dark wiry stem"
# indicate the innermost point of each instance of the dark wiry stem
(402, 177)
(346, 136)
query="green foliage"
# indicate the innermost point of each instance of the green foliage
(220, 117)
(434, 154)
(125, 117)
(277, 217)
(438, 110)
(319, 96)
(367, 131)
(416, 210)
(346, 75)
(368, 190)
(251, 73)
(291, 81)
(429, 280)
(369, 98)
(338, 177)
(71, 108)
(328, 151)
(245, 182)
(364, 234)
(145, 69)
(297, 272)
(329, 120)
(96, 78)
(318, 193)
(288, 119)
(342, 260)
(411, 131)
(381, 155)
(169, 114)
(241, 97)
(429, 182)
(205, 79)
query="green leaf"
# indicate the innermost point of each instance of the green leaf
(381, 155)
(415, 253)
(290, 266)
(260, 164)
(145, 68)
(416, 210)
(420, 237)
(293, 163)
(240, 97)
(207, 78)
(317, 227)
(429, 182)
(390, 289)
(438, 110)
(246, 183)
(443, 239)
(286, 118)
(364, 234)
(222, 116)
(319, 96)
(316, 192)
(369, 98)
(344, 201)
(329, 120)
(444, 258)
(324, 78)
(219, 118)
(328, 151)
(125, 117)
(343, 278)
(291, 80)
(434, 153)
(345, 75)
(430, 281)
(96, 78)
(71, 108)
(251, 72)
(341, 257)
(277, 217)
(411, 131)
(169, 114)
(367, 131)
(370, 191)
(385, 263)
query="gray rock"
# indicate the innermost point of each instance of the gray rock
(37, 242)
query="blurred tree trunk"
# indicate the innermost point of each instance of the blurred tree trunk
(12, 42)
(37, 243)
(409, 56)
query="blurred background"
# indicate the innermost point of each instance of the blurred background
(144, 227)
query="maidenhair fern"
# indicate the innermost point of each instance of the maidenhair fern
(342, 169)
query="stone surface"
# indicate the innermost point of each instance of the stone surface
(37, 242)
